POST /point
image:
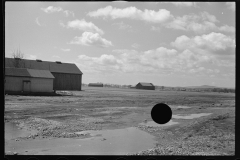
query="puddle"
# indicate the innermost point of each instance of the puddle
(103, 142)
(154, 124)
(13, 132)
(191, 116)
(181, 107)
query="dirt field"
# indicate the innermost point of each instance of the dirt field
(45, 124)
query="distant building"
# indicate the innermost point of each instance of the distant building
(147, 86)
(95, 85)
(67, 75)
(132, 86)
(28, 80)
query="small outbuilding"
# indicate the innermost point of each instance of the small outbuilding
(95, 85)
(143, 85)
(28, 80)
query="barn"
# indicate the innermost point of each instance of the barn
(67, 75)
(95, 85)
(28, 80)
(143, 85)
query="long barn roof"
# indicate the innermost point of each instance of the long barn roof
(24, 72)
(146, 84)
(45, 65)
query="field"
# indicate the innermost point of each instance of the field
(118, 121)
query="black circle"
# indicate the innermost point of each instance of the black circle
(161, 113)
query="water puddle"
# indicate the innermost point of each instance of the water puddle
(191, 116)
(103, 142)
(180, 107)
(13, 132)
(154, 124)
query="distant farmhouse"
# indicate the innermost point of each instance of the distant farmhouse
(28, 80)
(66, 76)
(95, 85)
(147, 86)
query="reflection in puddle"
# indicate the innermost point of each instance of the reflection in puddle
(180, 107)
(191, 116)
(103, 142)
(12, 131)
(154, 124)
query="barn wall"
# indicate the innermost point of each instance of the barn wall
(93, 85)
(139, 86)
(37, 84)
(14, 83)
(65, 81)
(41, 85)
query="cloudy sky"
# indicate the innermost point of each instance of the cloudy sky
(165, 43)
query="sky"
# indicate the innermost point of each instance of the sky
(164, 43)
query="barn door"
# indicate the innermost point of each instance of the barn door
(26, 86)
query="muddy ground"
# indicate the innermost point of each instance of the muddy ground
(63, 117)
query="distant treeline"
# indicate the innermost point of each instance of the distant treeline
(164, 88)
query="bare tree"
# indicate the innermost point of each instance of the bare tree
(17, 58)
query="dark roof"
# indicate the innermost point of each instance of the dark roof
(40, 73)
(96, 84)
(19, 72)
(146, 84)
(45, 65)
(24, 72)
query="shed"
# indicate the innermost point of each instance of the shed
(28, 80)
(67, 75)
(95, 85)
(143, 85)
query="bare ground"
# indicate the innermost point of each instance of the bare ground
(106, 108)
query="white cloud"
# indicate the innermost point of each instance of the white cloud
(211, 42)
(202, 23)
(91, 39)
(83, 25)
(158, 61)
(52, 9)
(66, 50)
(38, 22)
(122, 25)
(132, 13)
(67, 13)
(231, 5)
(183, 4)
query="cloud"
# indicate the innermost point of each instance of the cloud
(38, 22)
(91, 39)
(202, 23)
(211, 42)
(183, 4)
(153, 28)
(135, 45)
(52, 9)
(66, 50)
(32, 57)
(122, 25)
(82, 25)
(67, 13)
(231, 6)
(132, 13)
